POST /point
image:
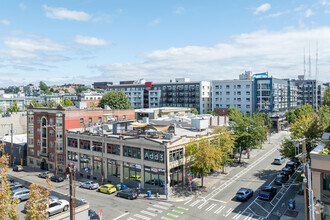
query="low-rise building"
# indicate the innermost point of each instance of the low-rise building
(16, 148)
(154, 113)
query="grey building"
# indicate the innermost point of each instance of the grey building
(18, 153)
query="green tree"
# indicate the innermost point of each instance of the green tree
(81, 89)
(66, 90)
(13, 108)
(212, 113)
(287, 149)
(67, 102)
(305, 110)
(326, 97)
(194, 111)
(291, 117)
(115, 100)
(324, 116)
(43, 87)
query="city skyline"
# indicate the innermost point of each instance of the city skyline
(87, 41)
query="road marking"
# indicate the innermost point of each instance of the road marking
(172, 215)
(187, 202)
(228, 212)
(261, 207)
(142, 216)
(131, 218)
(165, 218)
(183, 208)
(202, 205)
(194, 203)
(161, 207)
(248, 217)
(210, 207)
(165, 203)
(149, 213)
(219, 210)
(121, 216)
(216, 200)
(237, 215)
(177, 211)
(155, 210)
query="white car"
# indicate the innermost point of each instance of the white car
(89, 185)
(57, 207)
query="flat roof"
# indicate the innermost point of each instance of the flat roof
(150, 110)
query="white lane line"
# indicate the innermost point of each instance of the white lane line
(121, 216)
(216, 200)
(187, 202)
(237, 215)
(131, 218)
(210, 207)
(194, 203)
(219, 210)
(228, 212)
(142, 216)
(148, 213)
(165, 203)
(261, 207)
(249, 216)
(155, 210)
(202, 205)
(161, 207)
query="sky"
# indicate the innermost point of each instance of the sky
(86, 41)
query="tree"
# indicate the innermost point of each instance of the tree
(287, 149)
(326, 97)
(43, 87)
(212, 113)
(66, 90)
(324, 116)
(115, 100)
(13, 108)
(194, 111)
(81, 89)
(305, 110)
(291, 117)
(67, 102)
(36, 206)
(7, 206)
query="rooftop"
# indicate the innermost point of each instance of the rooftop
(20, 139)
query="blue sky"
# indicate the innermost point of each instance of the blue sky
(92, 40)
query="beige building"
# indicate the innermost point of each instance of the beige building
(155, 113)
(320, 164)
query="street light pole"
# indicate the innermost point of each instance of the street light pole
(305, 180)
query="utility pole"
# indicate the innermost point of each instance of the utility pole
(305, 180)
(102, 161)
(71, 196)
(12, 143)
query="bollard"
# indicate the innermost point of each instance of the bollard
(157, 195)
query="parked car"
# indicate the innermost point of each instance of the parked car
(156, 182)
(51, 199)
(18, 168)
(93, 215)
(107, 188)
(267, 193)
(281, 179)
(45, 174)
(127, 193)
(56, 178)
(89, 185)
(244, 194)
(15, 185)
(287, 171)
(292, 165)
(134, 177)
(21, 194)
(279, 160)
(58, 206)
(10, 180)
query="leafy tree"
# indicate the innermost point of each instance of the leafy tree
(291, 117)
(67, 102)
(212, 113)
(7, 206)
(324, 117)
(66, 90)
(36, 206)
(13, 108)
(81, 89)
(115, 100)
(287, 149)
(326, 97)
(43, 87)
(56, 91)
(194, 111)
(305, 110)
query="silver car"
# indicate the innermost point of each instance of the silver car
(21, 194)
(89, 185)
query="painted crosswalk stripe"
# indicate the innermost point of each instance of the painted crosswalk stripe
(130, 218)
(237, 215)
(228, 212)
(177, 211)
(142, 216)
(202, 205)
(183, 208)
(248, 217)
(194, 203)
(219, 210)
(155, 210)
(148, 213)
(210, 207)
(165, 203)
(187, 202)
(165, 218)
(172, 215)
(161, 207)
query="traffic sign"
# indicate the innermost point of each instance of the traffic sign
(100, 213)
(190, 178)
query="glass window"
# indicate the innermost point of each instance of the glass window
(85, 144)
(85, 163)
(154, 177)
(152, 155)
(132, 171)
(176, 154)
(113, 149)
(326, 181)
(97, 163)
(113, 168)
(133, 152)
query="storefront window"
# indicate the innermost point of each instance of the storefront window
(176, 175)
(113, 149)
(132, 171)
(133, 152)
(113, 168)
(85, 144)
(73, 156)
(85, 163)
(154, 177)
(97, 163)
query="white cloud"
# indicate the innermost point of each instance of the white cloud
(280, 53)
(179, 10)
(299, 8)
(5, 22)
(32, 45)
(91, 41)
(22, 6)
(63, 13)
(155, 22)
(309, 13)
(262, 8)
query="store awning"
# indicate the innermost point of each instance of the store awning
(138, 125)
(161, 128)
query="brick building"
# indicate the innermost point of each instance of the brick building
(46, 131)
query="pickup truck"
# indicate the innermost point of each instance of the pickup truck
(267, 193)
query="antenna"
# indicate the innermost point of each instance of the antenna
(309, 64)
(304, 64)
(316, 60)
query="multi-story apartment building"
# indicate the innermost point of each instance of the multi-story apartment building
(180, 93)
(233, 93)
(102, 85)
(46, 131)
(309, 91)
(90, 98)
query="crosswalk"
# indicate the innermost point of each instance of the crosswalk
(167, 211)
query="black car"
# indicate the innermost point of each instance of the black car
(57, 178)
(287, 171)
(93, 215)
(127, 193)
(280, 179)
(267, 193)
(292, 165)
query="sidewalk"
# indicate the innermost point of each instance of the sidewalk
(180, 194)
(298, 213)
